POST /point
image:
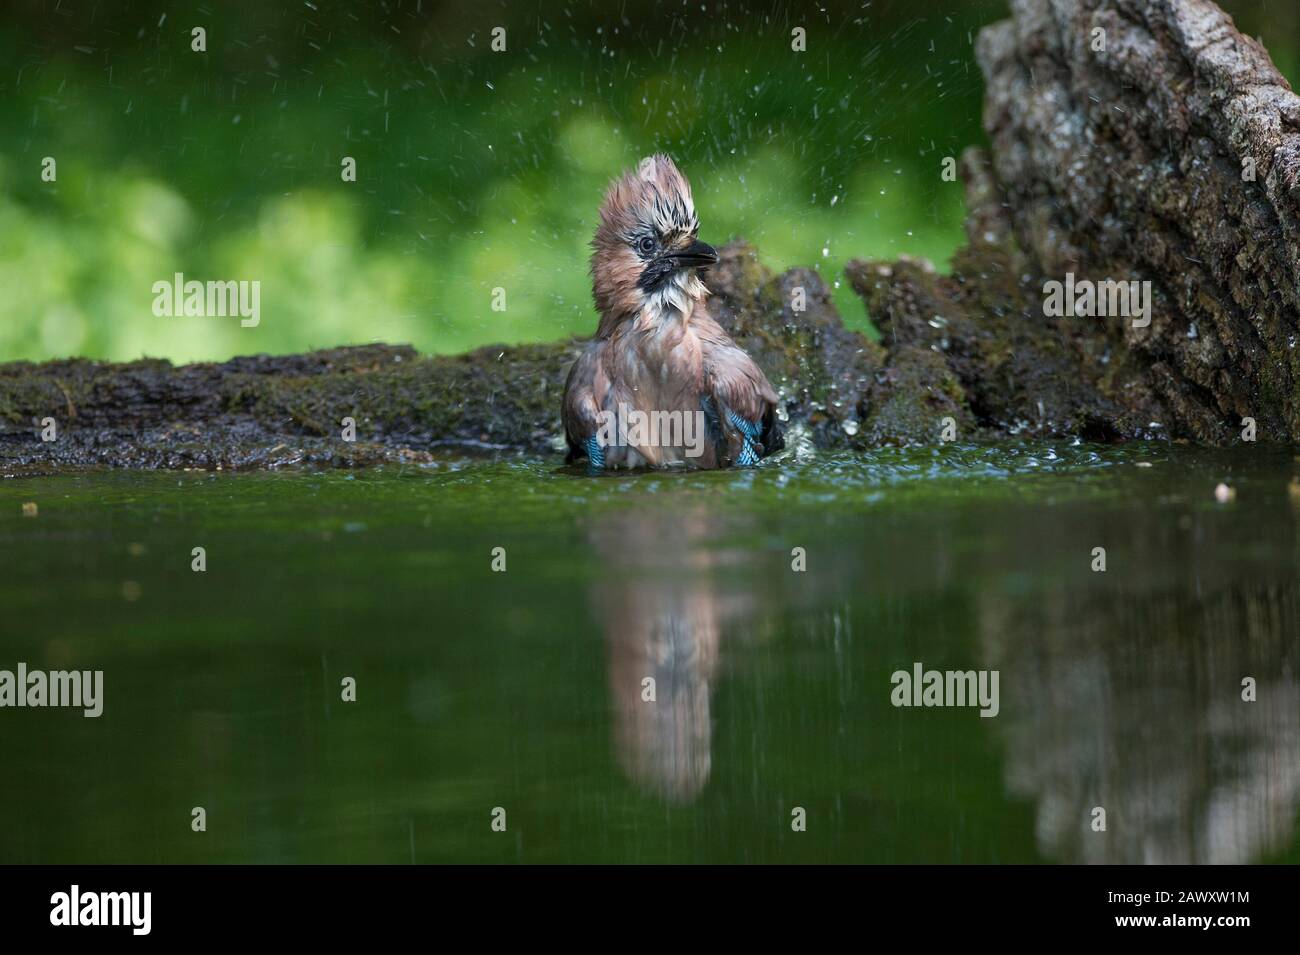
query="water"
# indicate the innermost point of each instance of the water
(523, 689)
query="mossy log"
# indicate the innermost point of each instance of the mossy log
(1142, 140)
(268, 411)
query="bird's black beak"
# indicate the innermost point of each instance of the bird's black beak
(695, 255)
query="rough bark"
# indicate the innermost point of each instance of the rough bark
(1137, 161)
(1170, 156)
(1130, 162)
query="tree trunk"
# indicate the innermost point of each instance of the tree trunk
(1173, 156)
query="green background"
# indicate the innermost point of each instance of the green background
(476, 170)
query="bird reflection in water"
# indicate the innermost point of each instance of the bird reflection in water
(663, 618)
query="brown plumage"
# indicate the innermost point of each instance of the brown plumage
(657, 351)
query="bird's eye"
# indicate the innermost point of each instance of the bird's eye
(646, 245)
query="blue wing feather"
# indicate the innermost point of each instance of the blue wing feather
(749, 433)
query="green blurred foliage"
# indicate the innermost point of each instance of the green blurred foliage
(476, 169)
